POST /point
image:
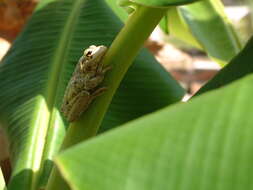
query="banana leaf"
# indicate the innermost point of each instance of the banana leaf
(36, 70)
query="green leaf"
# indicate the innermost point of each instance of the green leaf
(116, 6)
(239, 67)
(36, 70)
(162, 3)
(193, 23)
(177, 27)
(207, 22)
(34, 75)
(163, 24)
(2, 182)
(202, 144)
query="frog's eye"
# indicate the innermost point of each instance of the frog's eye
(88, 54)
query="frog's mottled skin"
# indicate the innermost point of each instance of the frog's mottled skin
(83, 85)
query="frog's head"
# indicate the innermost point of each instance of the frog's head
(94, 53)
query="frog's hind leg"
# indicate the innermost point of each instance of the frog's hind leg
(81, 102)
(97, 93)
(78, 105)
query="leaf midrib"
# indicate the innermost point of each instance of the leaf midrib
(55, 76)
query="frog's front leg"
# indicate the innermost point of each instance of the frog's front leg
(94, 81)
(102, 70)
(77, 105)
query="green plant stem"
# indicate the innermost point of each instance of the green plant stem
(120, 55)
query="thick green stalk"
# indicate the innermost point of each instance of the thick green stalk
(120, 55)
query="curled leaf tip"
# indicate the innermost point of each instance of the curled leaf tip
(128, 5)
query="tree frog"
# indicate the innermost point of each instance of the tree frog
(83, 85)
